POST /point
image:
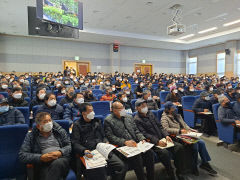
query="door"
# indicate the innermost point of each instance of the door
(143, 68)
(83, 68)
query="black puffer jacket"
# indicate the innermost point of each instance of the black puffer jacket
(86, 136)
(150, 127)
(30, 151)
(56, 111)
(11, 117)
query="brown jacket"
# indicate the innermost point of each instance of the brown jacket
(173, 126)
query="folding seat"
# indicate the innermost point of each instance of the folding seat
(101, 107)
(26, 114)
(5, 94)
(59, 98)
(187, 103)
(163, 95)
(133, 103)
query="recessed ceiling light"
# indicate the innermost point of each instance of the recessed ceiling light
(207, 30)
(128, 17)
(149, 3)
(231, 23)
(187, 36)
(95, 11)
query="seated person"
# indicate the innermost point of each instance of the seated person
(105, 85)
(39, 99)
(236, 106)
(50, 105)
(118, 83)
(201, 106)
(48, 148)
(151, 103)
(61, 91)
(87, 133)
(139, 90)
(114, 90)
(57, 85)
(173, 96)
(109, 96)
(88, 96)
(174, 125)
(8, 114)
(17, 99)
(190, 91)
(4, 87)
(129, 93)
(41, 84)
(231, 95)
(70, 91)
(122, 97)
(72, 110)
(125, 83)
(214, 98)
(121, 130)
(148, 124)
(181, 91)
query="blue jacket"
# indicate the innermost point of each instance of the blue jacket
(201, 104)
(56, 111)
(226, 115)
(236, 109)
(72, 112)
(11, 117)
(30, 152)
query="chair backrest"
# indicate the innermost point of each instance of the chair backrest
(5, 94)
(133, 103)
(25, 112)
(97, 92)
(11, 139)
(163, 95)
(199, 92)
(101, 107)
(97, 87)
(160, 112)
(155, 112)
(215, 111)
(100, 117)
(34, 109)
(64, 124)
(133, 87)
(28, 99)
(59, 98)
(188, 101)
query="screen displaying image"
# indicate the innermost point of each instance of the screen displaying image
(66, 12)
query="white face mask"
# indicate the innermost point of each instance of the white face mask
(141, 85)
(229, 87)
(4, 86)
(123, 113)
(41, 96)
(91, 115)
(80, 100)
(191, 90)
(207, 98)
(113, 89)
(17, 96)
(63, 91)
(86, 84)
(175, 91)
(52, 103)
(108, 83)
(144, 110)
(210, 89)
(127, 92)
(81, 81)
(66, 82)
(149, 98)
(47, 127)
(93, 80)
(181, 90)
(22, 80)
(58, 85)
(101, 82)
(124, 99)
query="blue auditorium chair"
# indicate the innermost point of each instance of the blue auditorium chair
(11, 139)
(97, 92)
(187, 103)
(225, 131)
(26, 114)
(59, 98)
(133, 103)
(163, 95)
(5, 94)
(28, 99)
(101, 107)
(64, 123)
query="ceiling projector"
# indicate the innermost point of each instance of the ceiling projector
(176, 29)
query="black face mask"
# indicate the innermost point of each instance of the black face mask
(90, 95)
(228, 105)
(71, 94)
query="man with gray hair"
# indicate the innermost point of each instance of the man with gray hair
(48, 148)
(151, 103)
(202, 108)
(70, 91)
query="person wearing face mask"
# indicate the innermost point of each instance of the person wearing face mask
(105, 85)
(50, 105)
(202, 108)
(114, 90)
(128, 93)
(87, 133)
(17, 99)
(41, 84)
(109, 96)
(122, 97)
(88, 96)
(70, 91)
(151, 103)
(149, 125)
(8, 114)
(4, 87)
(173, 96)
(236, 106)
(181, 91)
(61, 91)
(139, 90)
(118, 83)
(190, 91)
(72, 111)
(231, 95)
(175, 125)
(57, 85)
(228, 115)
(39, 99)
(48, 148)
(121, 130)
(214, 98)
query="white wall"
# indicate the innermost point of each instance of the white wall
(30, 54)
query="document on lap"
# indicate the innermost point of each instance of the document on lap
(193, 134)
(133, 151)
(169, 144)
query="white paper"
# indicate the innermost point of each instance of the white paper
(193, 134)
(104, 149)
(96, 161)
(207, 112)
(169, 144)
(144, 146)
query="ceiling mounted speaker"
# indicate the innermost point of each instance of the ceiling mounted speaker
(227, 51)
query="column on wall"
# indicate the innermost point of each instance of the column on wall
(185, 56)
(230, 60)
(114, 59)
